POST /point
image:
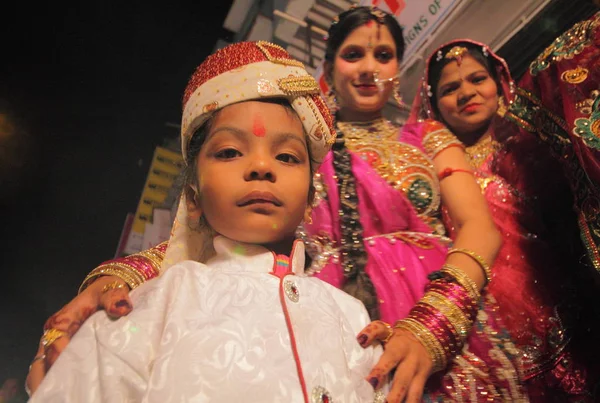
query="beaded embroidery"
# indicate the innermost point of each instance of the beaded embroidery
(478, 153)
(320, 395)
(403, 166)
(302, 85)
(291, 290)
(566, 46)
(438, 140)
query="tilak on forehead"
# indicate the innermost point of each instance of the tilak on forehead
(380, 18)
(258, 126)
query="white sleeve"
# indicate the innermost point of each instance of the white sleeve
(111, 360)
(88, 371)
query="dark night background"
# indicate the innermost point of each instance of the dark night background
(93, 85)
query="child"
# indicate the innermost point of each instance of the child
(234, 319)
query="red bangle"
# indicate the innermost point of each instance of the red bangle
(449, 171)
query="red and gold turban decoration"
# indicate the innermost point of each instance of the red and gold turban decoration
(249, 71)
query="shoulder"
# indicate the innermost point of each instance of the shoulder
(436, 137)
(415, 132)
(184, 269)
(180, 275)
(342, 299)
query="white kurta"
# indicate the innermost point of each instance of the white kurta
(227, 331)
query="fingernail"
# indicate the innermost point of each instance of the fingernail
(374, 382)
(362, 339)
(122, 304)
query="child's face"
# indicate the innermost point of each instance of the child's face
(254, 173)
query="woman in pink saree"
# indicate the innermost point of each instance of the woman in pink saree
(536, 277)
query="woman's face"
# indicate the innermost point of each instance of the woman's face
(467, 96)
(368, 51)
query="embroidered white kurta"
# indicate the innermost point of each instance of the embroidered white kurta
(228, 331)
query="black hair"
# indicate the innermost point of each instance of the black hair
(356, 17)
(354, 257)
(436, 67)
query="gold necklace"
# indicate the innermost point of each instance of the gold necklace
(374, 130)
(477, 154)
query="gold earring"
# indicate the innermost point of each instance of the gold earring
(396, 92)
(501, 107)
(308, 216)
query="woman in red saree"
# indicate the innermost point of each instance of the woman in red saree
(537, 281)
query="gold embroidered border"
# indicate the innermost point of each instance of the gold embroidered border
(302, 85)
(264, 47)
(438, 140)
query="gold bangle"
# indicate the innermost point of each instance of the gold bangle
(480, 261)
(126, 273)
(155, 257)
(107, 271)
(390, 332)
(463, 280)
(427, 339)
(455, 316)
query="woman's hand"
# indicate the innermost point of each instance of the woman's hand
(402, 353)
(108, 293)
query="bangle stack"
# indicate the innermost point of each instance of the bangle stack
(121, 270)
(133, 270)
(480, 261)
(442, 319)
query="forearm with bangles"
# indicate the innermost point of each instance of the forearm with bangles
(133, 270)
(442, 319)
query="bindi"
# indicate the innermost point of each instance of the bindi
(258, 126)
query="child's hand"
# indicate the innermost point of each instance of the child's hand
(402, 352)
(108, 293)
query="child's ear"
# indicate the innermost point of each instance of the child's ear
(308, 215)
(192, 202)
(311, 199)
